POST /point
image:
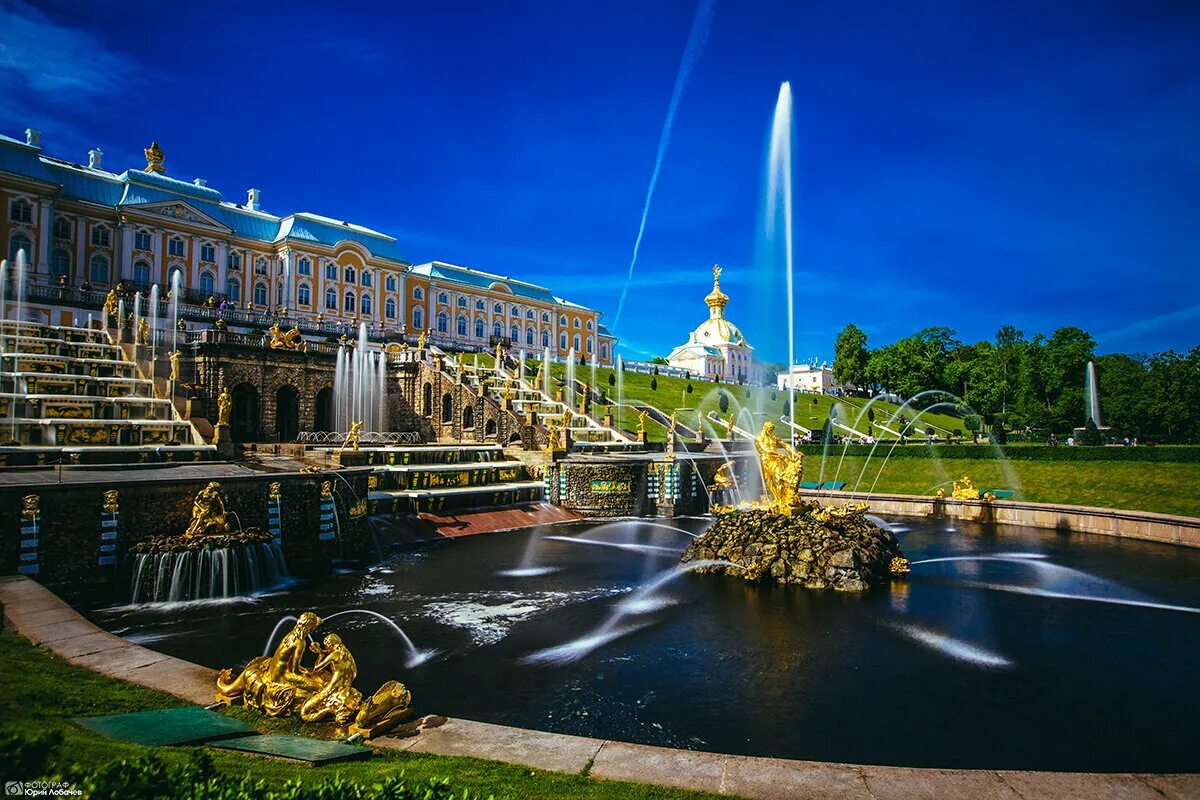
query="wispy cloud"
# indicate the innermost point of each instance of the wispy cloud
(1149, 325)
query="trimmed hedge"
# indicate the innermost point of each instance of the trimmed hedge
(1034, 452)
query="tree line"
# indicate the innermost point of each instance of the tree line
(1032, 384)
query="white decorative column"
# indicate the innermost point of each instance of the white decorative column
(45, 231)
(125, 271)
(222, 267)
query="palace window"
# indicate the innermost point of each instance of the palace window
(141, 240)
(331, 299)
(418, 318)
(418, 294)
(516, 312)
(443, 323)
(365, 304)
(349, 303)
(529, 314)
(234, 261)
(348, 275)
(208, 253)
(62, 228)
(497, 330)
(207, 283)
(16, 244)
(389, 283)
(562, 320)
(98, 269)
(562, 341)
(304, 295)
(529, 336)
(479, 306)
(589, 325)
(545, 317)
(260, 266)
(233, 289)
(498, 308)
(279, 294)
(575, 343)
(545, 338)
(478, 329)
(304, 267)
(260, 294)
(100, 236)
(604, 352)
(20, 211)
(389, 308)
(462, 326)
(589, 344)
(60, 262)
(366, 279)
(514, 334)
(331, 271)
(462, 302)
(176, 247)
(577, 322)
(442, 298)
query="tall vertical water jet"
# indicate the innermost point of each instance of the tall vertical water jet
(779, 210)
(1093, 395)
(359, 385)
(153, 314)
(4, 289)
(545, 387)
(569, 392)
(620, 390)
(176, 277)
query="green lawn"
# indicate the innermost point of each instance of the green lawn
(763, 403)
(1166, 488)
(39, 692)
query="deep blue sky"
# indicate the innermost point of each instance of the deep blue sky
(957, 164)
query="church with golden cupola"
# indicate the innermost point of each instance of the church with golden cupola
(717, 350)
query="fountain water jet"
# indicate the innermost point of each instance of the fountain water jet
(415, 656)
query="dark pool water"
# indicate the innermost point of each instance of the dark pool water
(982, 664)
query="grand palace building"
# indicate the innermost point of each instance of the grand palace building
(86, 229)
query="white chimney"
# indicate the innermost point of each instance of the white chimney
(200, 182)
(94, 157)
(32, 135)
(252, 200)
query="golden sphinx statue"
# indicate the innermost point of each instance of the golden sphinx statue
(782, 470)
(284, 340)
(208, 513)
(281, 684)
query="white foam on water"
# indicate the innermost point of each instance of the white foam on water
(527, 572)
(489, 617)
(1117, 601)
(576, 649)
(954, 648)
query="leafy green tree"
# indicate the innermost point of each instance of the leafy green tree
(850, 356)
(659, 360)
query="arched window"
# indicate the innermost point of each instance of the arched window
(479, 329)
(462, 326)
(20, 211)
(304, 294)
(562, 341)
(418, 294)
(348, 276)
(98, 269)
(304, 267)
(589, 344)
(468, 418)
(604, 352)
(389, 283)
(366, 279)
(260, 266)
(60, 262)
(16, 244)
(498, 308)
(233, 290)
(562, 320)
(545, 338)
(207, 283)
(365, 304)
(141, 272)
(427, 400)
(331, 272)
(260, 293)
(443, 323)
(497, 330)
(418, 318)
(331, 299)
(529, 314)
(575, 343)
(462, 302)
(348, 303)
(529, 336)
(576, 322)
(545, 317)
(447, 408)
(62, 228)
(234, 261)
(389, 308)
(443, 299)
(514, 334)
(479, 306)
(100, 236)
(279, 294)
(516, 312)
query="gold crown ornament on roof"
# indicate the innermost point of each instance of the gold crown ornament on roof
(154, 159)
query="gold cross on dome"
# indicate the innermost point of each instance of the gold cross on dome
(716, 274)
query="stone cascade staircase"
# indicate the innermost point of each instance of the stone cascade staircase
(587, 432)
(70, 395)
(437, 478)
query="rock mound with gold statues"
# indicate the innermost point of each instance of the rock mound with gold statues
(792, 541)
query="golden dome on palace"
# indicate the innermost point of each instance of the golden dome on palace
(716, 349)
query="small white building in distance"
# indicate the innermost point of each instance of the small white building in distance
(806, 378)
(716, 349)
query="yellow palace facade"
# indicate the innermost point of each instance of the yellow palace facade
(86, 227)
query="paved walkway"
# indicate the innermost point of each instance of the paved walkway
(47, 621)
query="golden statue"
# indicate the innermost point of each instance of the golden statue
(284, 340)
(275, 490)
(154, 159)
(723, 479)
(964, 490)
(458, 376)
(143, 331)
(112, 305)
(583, 400)
(510, 391)
(208, 513)
(729, 427)
(552, 442)
(566, 418)
(281, 684)
(641, 428)
(224, 405)
(782, 470)
(352, 436)
(537, 377)
(327, 490)
(30, 506)
(112, 501)
(174, 365)
(422, 340)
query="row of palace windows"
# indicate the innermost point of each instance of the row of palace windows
(498, 308)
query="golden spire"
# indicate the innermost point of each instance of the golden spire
(716, 299)
(154, 159)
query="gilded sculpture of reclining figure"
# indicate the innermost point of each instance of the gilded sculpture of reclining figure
(280, 685)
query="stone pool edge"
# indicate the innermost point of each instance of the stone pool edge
(47, 621)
